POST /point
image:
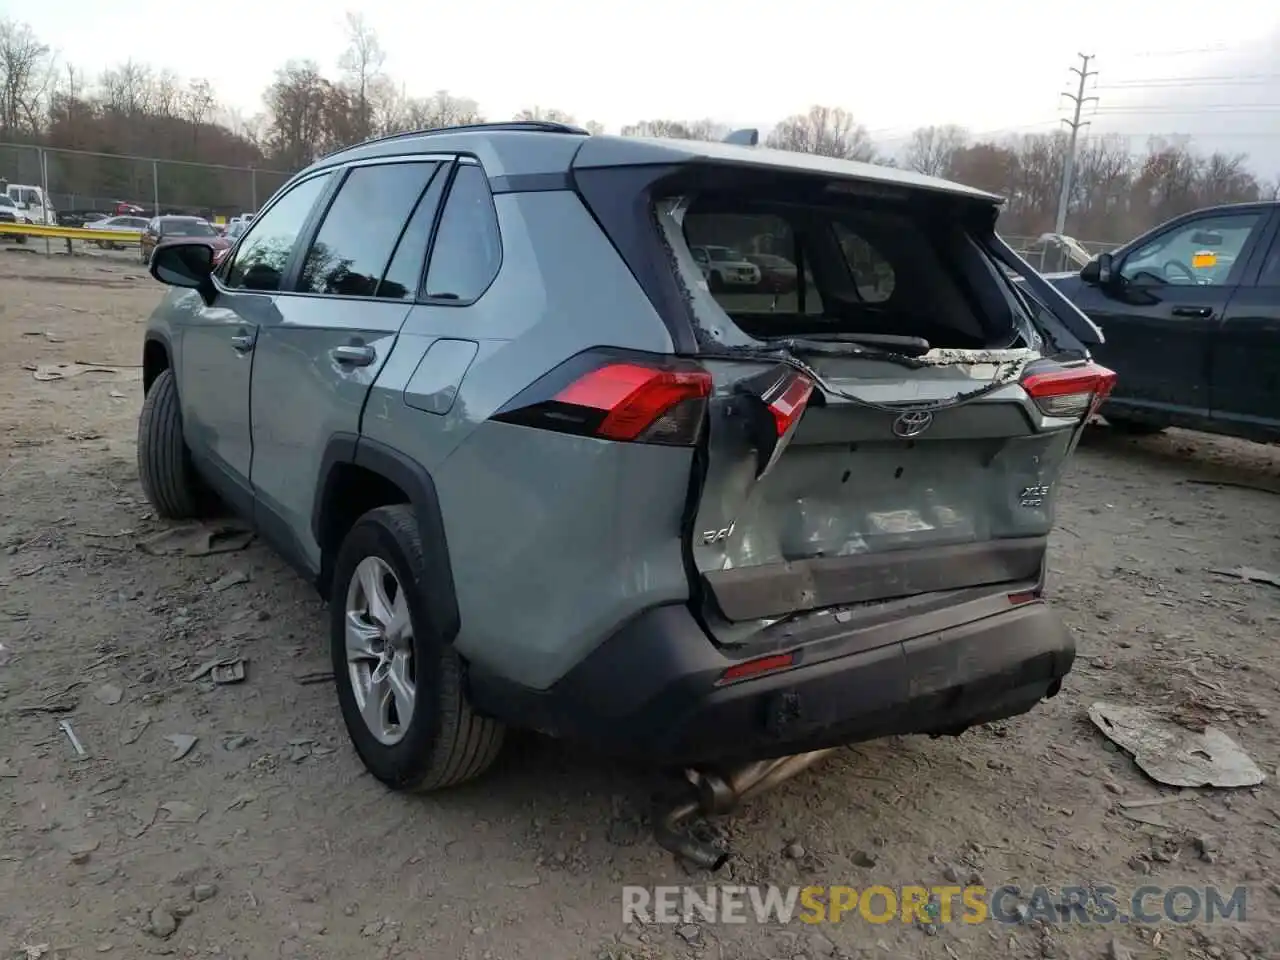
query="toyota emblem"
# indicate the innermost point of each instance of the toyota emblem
(912, 424)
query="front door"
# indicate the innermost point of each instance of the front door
(332, 332)
(218, 342)
(1161, 316)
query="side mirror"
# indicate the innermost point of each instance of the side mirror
(185, 263)
(1100, 271)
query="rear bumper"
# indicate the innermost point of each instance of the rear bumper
(652, 690)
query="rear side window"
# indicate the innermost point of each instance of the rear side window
(468, 247)
(361, 229)
(263, 254)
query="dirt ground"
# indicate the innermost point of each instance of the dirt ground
(267, 839)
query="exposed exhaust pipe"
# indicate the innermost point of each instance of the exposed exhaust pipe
(720, 793)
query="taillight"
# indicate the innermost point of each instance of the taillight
(789, 400)
(1070, 392)
(639, 401)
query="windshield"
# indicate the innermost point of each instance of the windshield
(6, 201)
(187, 228)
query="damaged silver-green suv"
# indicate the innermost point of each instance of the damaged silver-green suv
(475, 384)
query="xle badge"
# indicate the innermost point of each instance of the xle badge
(715, 536)
(1033, 496)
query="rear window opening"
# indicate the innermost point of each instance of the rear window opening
(759, 263)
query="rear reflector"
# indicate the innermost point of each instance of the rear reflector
(634, 401)
(757, 667)
(1070, 392)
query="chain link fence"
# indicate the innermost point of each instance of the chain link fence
(80, 181)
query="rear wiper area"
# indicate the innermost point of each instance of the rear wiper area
(839, 344)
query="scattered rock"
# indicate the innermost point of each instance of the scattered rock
(237, 741)
(794, 851)
(689, 933)
(109, 694)
(1206, 848)
(864, 858)
(182, 744)
(180, 811)
(230, 579)
(161, 923)
(203, 891)
(950, 874)
(523, 883)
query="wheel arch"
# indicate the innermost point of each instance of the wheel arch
(358, 474)
(157, 357)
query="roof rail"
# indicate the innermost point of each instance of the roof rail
(533, 126)
(747, 137)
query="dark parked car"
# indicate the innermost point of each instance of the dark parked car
(1191, 315)
(162, 229)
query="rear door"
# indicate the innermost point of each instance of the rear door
(350, 289)
(1244, 382)
(846, 476)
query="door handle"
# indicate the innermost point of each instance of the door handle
(242, 342)
(353, 355)
(1200, 312)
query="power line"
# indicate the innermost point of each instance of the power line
(1074, 124)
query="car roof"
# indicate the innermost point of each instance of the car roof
(534, 147)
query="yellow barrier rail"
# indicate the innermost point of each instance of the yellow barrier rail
(70, 233)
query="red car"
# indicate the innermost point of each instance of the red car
(161, 229)
(777, 274)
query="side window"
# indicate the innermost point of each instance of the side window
(872, 273)
(1205, 252)
(749, 260)
(361, 229)
(468, 247)
(262, 256)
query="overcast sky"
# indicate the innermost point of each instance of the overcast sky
(985, 64)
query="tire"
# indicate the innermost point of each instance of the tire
(168, 477)
(444, 742)
(1134, 428)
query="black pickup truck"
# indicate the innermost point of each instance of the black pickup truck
(1191, 315)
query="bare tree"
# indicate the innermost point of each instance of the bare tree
(826, 131)
(362, 64)
(299, 103)
(549, 114)
(932, 149)
(704, 129)
(441, 109)
(26, 72)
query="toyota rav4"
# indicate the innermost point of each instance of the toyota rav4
(473, 384)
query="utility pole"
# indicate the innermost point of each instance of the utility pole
(1069, 162)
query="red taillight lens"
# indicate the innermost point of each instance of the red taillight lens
(663, 402)
(789, 403)
(1071, 392)
(640, 403)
